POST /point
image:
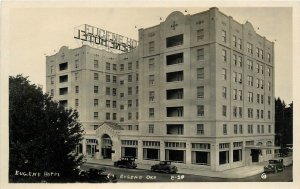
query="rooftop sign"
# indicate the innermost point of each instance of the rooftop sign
(99, 37)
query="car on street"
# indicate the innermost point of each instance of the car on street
(95, 176)
(164, 166)
(126, 162)
(274, 166)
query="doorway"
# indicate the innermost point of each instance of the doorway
(255, 155)
(106, 148)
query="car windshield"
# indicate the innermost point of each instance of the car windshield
(272, 161)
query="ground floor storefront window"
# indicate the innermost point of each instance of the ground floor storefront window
(201, 158)
(90, 150)
(176, 155)
(223, 157)
(237, 155)
(129, 151)
(151, 154)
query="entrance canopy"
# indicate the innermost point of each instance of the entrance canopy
(263, 147)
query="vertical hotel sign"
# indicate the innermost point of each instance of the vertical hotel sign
(99, 37)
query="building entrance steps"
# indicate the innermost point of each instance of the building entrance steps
(240, 172)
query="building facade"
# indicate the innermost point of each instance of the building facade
(198, 90)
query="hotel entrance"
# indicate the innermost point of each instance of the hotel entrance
(106, 149)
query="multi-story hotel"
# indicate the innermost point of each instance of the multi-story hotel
(197, 90)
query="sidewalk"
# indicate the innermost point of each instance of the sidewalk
(241, 172)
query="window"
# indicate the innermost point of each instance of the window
(240, 60)
(115, 67)
(137, 102)
(224, 109)
(121, 107)
(234, 59)
(250, 113)
(250, 129)
(269, 72)
(52, 92)
(234, 94)
(151, 79)
(136, 89)
(122, 82)
(107, 91)
(114, 104)
(151, 128)
(224, 55)
(262, 129)
(250, 97)
(151, 112)
(234, 111)
(262, 84)
(76, 63)
(261, 52)
(52, 80)
(200, 92)
(129, 78)
(151, 96)
(137, 65)
(107, 116)
(107, 78)
(224, 92)
(250, 64)
(96, 64)
(51, 69)
(257, 68)
(76, 76)
(241, 129)
(96, 76)
(224, 129)
(240, 112)
(258, 98)
(175, 129)
(129, 90)
(262, 99)
(234, 75)
(175, 111)
(114, 92)
(129, 102)
(200, 129)
(257, 52)
(269, 100)
(107, 103)
(262, 69)
(121, 67)
(107, 66)
(76, 102)
(240, 43)
(200, 73)
(129, 115)
(269, 86)
(77, 89)
(240, 95)
(257, 83)
(137, 77)
(261, 114)
(174, 59)
(151, 46)
(240, 78)
(95, 115)
(257, 114)
(223, 36)
(269, 57)
(235, 129)
(224, 74)
(174, 40)
(129, 65)
(136, 115)
(249, 48)
(151, 64)
(234, 42)
(200, 110)
(200, 34)
(269, 128)
(250, 80)
(121, 95)
(96, 102)
(114, 79)
(63, 66)
(200, 54)
(95, 89)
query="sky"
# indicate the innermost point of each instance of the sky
(37, 32)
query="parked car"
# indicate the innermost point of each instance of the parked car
(274, 166)
(164, 166)
(126, 162)
(95, 176)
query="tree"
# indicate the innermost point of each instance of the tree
(42, 134)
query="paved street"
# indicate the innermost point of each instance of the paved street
(140, 175)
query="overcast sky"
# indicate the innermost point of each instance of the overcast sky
(36, 32)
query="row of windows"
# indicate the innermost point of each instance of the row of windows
(114, 116)
(238, 129)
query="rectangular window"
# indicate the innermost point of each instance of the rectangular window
(200, 129)
(258, 128)
(151, 46)
(240, 61)
(200, 73)
(240, 43)
(250, 113)
(129, 115)
(200, 54)
(129, 65)
(129, 78)
(261, 114)
(250, 80)
(269, 86)
(250, 64)
(175, 94)
(107, 78)
(129, 102)
(235, 129)
(52, 92)
(234, 111)
(223, 36)
(224, 89)
(224, 109)
(241, 129)
(269, 114)
(174, 40)
(257, 68)
(200, 34)
(257, 114)
(77, 89)
(96, 64)
(262, 99)
(129, 90)
(151, 112)
(76, 76)
(269, 100)
(240, 95)
(250, 129)
(261, 52)
(114, 104)
(76, 102)
(257, 83)
(250, 97)
(107, 116)
(200, 110)
(96, 101)
(96, 76)
(224, 55)
(151, 64)
(234, 59)
(63, 66)
(249, 48)
(262, 129)
(107, 91)
(262, 84)
(114, 79)
(114, 92)
(151, 128)
(257, 52)
(114, 67)
(224, 74)
(136, 89)
(224, 129)
(95, 89)
(262, 69)
(269, 72)
(175, 129)
(200, 92)
(107, 66)
(269, 128)
(121, 67)
(234, 94)
(96, 115)
(175, 111)
(151, 96)
(107, 103)
(234, 77)
(240, 112)
(234, 42)
(151, 79)
(240, 78)
(269, 57)
(258, 96)
(174, 59)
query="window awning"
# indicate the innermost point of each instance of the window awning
(263, 147)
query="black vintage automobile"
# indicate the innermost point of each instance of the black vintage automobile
(95, 176)
(274, 166)
(164, 166)
(126, 162)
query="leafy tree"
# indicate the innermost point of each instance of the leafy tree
(42, 134)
